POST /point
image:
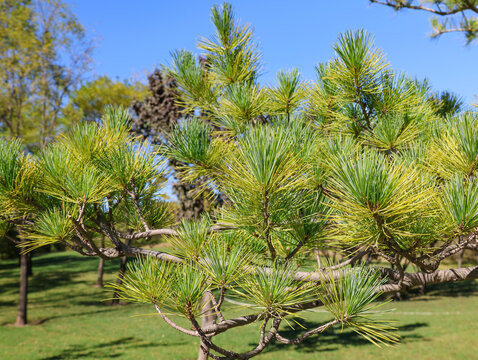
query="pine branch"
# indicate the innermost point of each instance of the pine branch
(400, 5)
(309, 333)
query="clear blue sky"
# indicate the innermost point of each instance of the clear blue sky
(134, 36)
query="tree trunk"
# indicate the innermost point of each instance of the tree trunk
(22, 303)
(208, 318)
(101, 267)
(203, 351)
(119, 279)
(460, 258)
(30, 266)
(317, 256)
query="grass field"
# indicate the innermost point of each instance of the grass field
(71, 320)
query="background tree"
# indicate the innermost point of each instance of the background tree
(44, 55)
(156, 116)
(88, 102)
(359, 161)
(450, 15)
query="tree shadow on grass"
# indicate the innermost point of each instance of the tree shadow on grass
(9, 287)
(453, 289)
(103, 350)
(334, 338)
(7, 303)
(53, 271)
(47, 280)
(64, 272)
(9, 266)
(40, 282)
(74, 262)
(75, 314)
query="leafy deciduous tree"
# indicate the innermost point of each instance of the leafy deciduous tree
(88, 103)
(44, 54)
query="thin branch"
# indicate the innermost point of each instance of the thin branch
(265, 214)
(230, 324)
(82, 234)
(127, 250)
(265, 340)
(217, 304)
(170, 232)
(231, 354)
(353, 259)
(82, 208)
(449, 248)
(317, 330)
(147, 234)
(398, 6)
(106, 230)
(12, 239)
(136, 205)
(444, 31)
(206, 340)
(297, 248)
(174, 325)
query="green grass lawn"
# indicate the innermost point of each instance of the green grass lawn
(71, 320)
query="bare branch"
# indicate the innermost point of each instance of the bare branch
(170, 232)
(174, 325)
(307, 334)
(132, 193)
(230, 324)
(231, 354)
(411, 280)
(399, 5)
(296, 249)
(353, 259)
(438, 32)
(127, 250)
(217, 304)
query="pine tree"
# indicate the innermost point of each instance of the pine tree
(448, 15)
(360, 162)
(156, 116)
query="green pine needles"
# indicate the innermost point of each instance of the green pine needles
(364, 162)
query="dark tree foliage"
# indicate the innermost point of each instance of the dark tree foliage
(448, 104)
(156, 117)
(157, 114)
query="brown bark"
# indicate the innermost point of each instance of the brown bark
(101, 267)
(203, 353)
(421, 278)
(23, 298)
(119, 279)
(317, 256)
(30, 266)
(411, 280)
(460, 258)
(208, 318)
